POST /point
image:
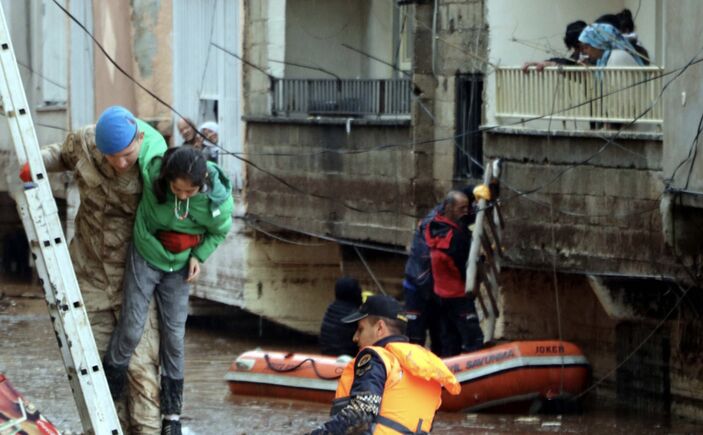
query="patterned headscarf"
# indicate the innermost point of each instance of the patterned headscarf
(607, 38)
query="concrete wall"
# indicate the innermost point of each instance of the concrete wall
(687, 367)
(379, 38)
(260, 45)
(460, 46)
(272, 278)
(328, 184)
(316, 29)
(529, 311)
(113, 30)
(605, 217)
(637, 361)
(684, 103)
(289, 279)
(139, 40)
(152, 23)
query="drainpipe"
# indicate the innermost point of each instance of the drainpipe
(349, 121)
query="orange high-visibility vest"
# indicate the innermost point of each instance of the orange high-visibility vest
(413, 389)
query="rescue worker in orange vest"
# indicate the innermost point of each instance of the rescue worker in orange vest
(392, 386)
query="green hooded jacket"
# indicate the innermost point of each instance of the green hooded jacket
(209, 215)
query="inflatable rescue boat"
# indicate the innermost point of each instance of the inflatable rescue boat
(18, 415)
(504, 374)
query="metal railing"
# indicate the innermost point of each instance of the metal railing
(345, 97)
(617, 94)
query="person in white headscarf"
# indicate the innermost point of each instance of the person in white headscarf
(209, 140)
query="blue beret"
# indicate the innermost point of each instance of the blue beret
(115, 130)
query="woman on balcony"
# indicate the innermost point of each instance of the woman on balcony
(605, 46)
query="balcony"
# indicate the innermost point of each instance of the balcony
(580, 96)
(378, 98)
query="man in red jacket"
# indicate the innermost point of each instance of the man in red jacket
(449, 240)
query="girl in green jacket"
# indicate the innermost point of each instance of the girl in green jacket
(184, 214)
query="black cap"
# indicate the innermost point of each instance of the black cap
(379, 305)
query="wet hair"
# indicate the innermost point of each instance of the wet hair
(571, 35)
(395, 326)
(183, 162)
(611, 19)
(627, 24)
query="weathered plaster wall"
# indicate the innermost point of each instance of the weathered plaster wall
(638, 361)
(291, 284)
(330, 180)
(605, 220)
(113, 29)
(152, 22)
(257, 50)
(459, 46)
(682, 163)
(529, 312)
(605, 217)
(684, 97)
(288, 280)
(316, 29)
(687, 367)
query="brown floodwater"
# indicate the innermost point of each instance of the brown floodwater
(30, 359)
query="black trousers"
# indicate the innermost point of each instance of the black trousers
(423, 314)
(459, 318)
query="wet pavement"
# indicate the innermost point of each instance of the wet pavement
(30, 359)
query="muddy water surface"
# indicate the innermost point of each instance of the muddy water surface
(30, 358)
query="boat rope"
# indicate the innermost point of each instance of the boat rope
(313, 363)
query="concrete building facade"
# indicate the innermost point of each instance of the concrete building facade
(588, 251)
(357, 117)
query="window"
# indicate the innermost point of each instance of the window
(469, 140)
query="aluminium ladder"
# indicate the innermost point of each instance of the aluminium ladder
(39, 213)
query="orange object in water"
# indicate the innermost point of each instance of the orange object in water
(286, 375)
(18, 415)
(517, 372)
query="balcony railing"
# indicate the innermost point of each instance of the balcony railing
(389, 98)
(611, 95)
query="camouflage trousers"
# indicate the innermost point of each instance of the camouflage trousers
(138, 409)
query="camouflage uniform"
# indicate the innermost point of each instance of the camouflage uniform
(104, 225)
